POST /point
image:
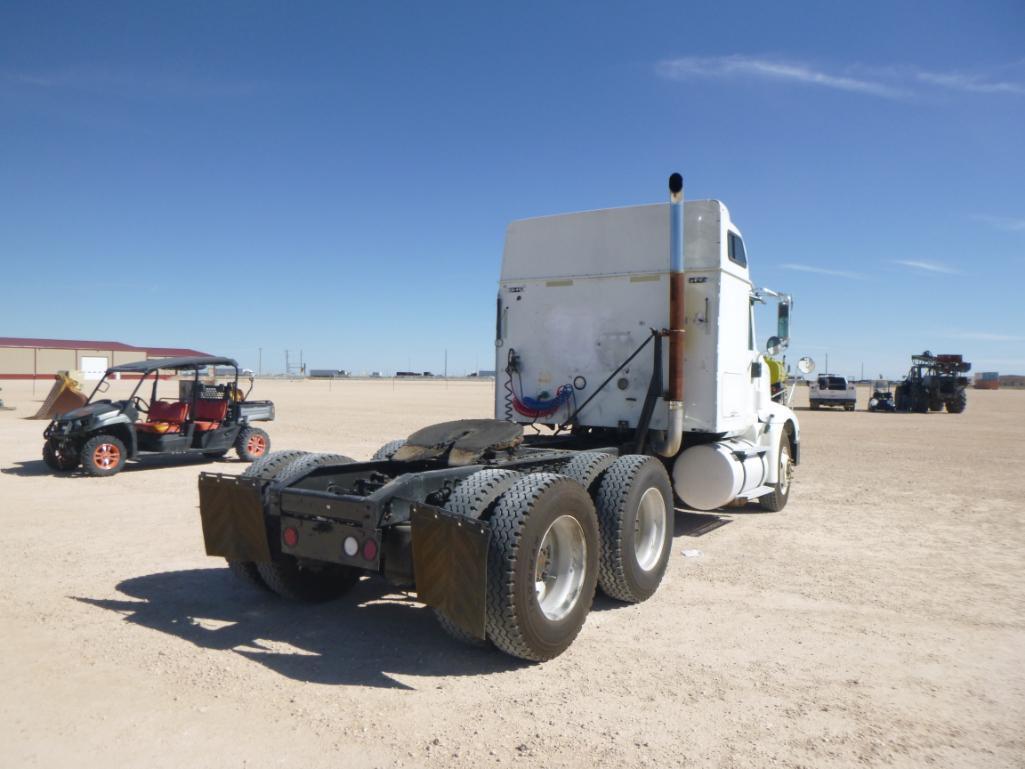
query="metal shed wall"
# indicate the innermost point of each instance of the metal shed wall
(23, 358)
(15, 361)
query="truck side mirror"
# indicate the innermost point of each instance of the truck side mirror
(774, 345)
(783, 324)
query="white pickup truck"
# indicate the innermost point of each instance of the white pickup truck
(830, 390)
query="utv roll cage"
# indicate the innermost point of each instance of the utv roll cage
(146, 367)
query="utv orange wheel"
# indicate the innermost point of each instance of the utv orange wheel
(103, 455)
(251, 444)
(257, 445)
(106, 456)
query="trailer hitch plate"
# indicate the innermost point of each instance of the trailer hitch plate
(231, 509)
(450, 558)
(465, 441)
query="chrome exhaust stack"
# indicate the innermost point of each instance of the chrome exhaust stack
(668, 443)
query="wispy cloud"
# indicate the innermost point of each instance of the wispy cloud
(924, 266)
(985, 336)
(960, 81)
(822, 271)
(1009, 223)
(898, 82)
(771, 69)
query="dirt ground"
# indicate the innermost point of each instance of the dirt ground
(878, 621)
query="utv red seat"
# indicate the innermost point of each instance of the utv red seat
(164, 417)
(208, 414)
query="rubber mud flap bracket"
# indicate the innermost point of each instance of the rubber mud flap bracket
(450, 558)
(231, 509)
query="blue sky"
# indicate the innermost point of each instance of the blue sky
(338, 177)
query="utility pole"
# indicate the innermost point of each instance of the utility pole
(446, 363)
(259, 364)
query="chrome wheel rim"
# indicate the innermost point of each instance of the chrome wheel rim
(786, 469)
(560, 567)
(650, 529)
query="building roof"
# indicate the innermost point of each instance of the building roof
(92, 344)
(72, 344)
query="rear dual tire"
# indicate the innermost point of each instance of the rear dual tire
(474, 497)
(634, 503)
(291, 579)
(556, 537)
(542, 566)
(286, 575)
(264, 468)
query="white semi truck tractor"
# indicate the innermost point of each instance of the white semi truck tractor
(625, 344)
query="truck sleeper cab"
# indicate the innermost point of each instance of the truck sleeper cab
(581, 293)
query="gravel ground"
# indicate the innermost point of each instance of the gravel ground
(878, 621)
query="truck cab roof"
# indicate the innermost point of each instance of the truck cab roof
(621, 241)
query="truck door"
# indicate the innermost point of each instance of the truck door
(736, 402)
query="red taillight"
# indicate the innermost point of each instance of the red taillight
(290, 536)
(369, 550)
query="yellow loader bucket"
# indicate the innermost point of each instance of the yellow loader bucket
(63, 397)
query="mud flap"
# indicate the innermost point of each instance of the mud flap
(231, 509)
(450, 559)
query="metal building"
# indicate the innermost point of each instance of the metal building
(43, 358)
